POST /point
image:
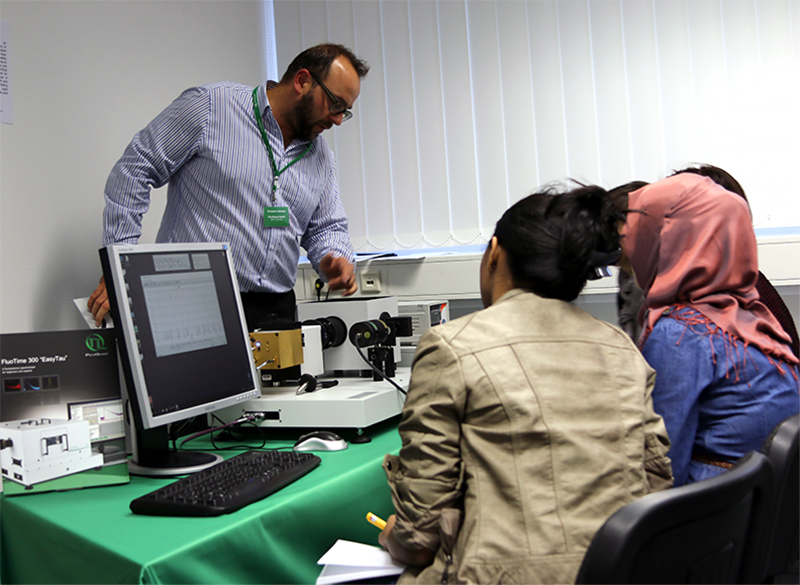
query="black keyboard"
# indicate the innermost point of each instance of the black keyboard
(228, 485)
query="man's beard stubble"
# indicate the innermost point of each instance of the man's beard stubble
(300, 118)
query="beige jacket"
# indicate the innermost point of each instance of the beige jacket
(526, 426)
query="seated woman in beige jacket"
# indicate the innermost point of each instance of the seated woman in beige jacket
(527, 424)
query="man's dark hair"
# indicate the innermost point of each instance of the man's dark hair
(318, 59)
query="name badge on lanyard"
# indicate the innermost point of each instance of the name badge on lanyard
(275, 216)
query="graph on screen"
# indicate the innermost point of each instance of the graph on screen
(184, 312)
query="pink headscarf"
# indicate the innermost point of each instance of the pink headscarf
(694, 245)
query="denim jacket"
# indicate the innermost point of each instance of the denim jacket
(719, 398)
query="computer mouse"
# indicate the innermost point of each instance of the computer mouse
(320, 441)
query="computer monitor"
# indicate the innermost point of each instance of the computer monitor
(183, 343)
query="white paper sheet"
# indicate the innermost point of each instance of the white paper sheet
(83, 308)
(351, 561)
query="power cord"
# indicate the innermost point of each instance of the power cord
(318, 286)
(374, 369)
(247, 418)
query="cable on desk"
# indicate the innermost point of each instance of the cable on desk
(246, 419)
(376, 370)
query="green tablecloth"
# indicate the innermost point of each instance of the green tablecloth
(91, 536)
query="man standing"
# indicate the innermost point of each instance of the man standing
(247, 166)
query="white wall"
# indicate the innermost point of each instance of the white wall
(85, 77)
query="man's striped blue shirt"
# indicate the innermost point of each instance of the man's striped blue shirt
(208, 147)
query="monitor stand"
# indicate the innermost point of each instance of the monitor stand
(153, 457)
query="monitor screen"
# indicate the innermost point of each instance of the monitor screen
(183, 340)
(105, 418)
(106, 426)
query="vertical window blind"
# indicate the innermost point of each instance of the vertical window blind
(472, 104)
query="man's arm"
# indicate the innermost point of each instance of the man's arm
(327, 239)
(150, 160)
(340, 274)
(153, 156)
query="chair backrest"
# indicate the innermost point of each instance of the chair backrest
(782, 448)
(774, 302)
(696, 533)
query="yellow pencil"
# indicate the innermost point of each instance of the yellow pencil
(373, 519)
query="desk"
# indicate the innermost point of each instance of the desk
(91, 536)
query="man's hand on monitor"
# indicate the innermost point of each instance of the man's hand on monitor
(98, 302)
(340, 274)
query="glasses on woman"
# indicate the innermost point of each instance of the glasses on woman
(337, 106)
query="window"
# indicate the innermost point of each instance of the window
(472, 104)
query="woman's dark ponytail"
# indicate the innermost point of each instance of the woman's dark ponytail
(556, 240)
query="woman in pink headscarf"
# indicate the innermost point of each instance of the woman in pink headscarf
(725, 372)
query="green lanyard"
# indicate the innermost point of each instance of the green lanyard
(275, 171)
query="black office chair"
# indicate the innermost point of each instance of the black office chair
(774, 302)
(782, 448)
(697, 533)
